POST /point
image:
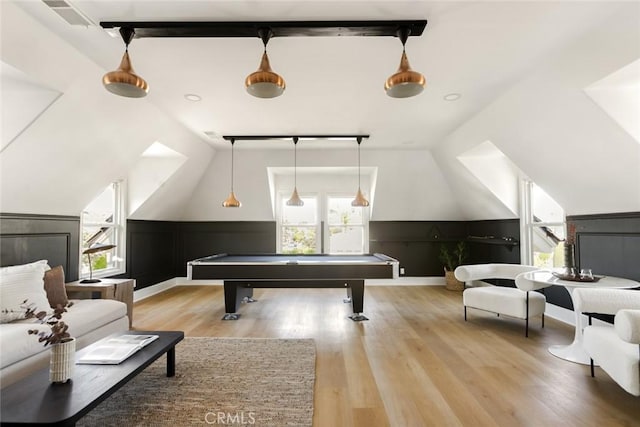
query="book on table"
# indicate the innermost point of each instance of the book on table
(115, 350)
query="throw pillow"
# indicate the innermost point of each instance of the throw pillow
(54, 286)
(19, 283)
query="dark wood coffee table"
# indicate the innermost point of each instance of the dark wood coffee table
(34, 400)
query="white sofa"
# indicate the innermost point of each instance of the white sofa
(615, 348)
(516, 302)
(21, 353)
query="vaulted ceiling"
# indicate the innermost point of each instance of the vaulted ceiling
(334, 84)
(522, 70)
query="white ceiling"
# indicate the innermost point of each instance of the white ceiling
(334, 85)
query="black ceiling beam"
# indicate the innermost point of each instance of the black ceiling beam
(279, 28)
(284, 137)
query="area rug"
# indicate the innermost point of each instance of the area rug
(219, 381)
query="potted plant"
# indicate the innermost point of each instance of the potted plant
(452, 258)
(63, 345)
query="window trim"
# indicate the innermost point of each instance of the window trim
(527, 223)
(120, 232)
(326, 225)
(281, 198)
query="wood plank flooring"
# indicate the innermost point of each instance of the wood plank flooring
(415, 362)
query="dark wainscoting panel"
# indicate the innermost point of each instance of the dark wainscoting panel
(26, 238)
(200, 239)
(609, 244)
(159, 250)
(151, 251)
(494, 241)
(416, 244)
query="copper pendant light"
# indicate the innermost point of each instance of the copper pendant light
(124, 81)
(265, 83)
(360, 200)
(231, 201)
(295, 200)
(405, 82)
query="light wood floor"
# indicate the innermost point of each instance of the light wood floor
(415, 362)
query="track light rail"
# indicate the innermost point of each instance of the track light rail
(289, 137)
(278, 28)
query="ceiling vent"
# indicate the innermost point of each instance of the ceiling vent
(68, 12)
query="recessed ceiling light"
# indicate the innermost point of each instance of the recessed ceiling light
(452, 97)
(193, 97)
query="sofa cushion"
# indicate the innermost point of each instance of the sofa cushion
(83, 317)
(54, 287)
(19, 283)
(509, 301)
(17, 344)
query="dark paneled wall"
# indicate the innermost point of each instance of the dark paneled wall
(200, 239)
(26, 238)
(151, 251)
(159, 250)
(494, 241)
(416, 244)
(609, 244)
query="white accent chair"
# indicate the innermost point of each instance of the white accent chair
(615, 348)
(517, 302)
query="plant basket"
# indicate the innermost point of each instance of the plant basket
(451, 283)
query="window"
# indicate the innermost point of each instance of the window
(542, 228)
(346, 227)
(299, 227)
(103, 222)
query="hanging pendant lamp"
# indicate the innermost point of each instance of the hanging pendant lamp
(360, 200)
(405, 82)
(124, 81)
(295, 200)
(231, 201)
(265, 83)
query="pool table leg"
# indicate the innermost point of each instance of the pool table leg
(355, 292)
(234, 293)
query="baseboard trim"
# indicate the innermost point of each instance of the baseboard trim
(148, 291)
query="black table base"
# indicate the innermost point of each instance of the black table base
(235, 291)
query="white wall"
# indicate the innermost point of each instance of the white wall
(87, 138)
(409, 185)
(555, 133)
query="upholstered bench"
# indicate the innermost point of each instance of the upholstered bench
(517, 302)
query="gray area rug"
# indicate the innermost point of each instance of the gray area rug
(219, 381)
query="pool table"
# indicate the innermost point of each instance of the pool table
(242, 273)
